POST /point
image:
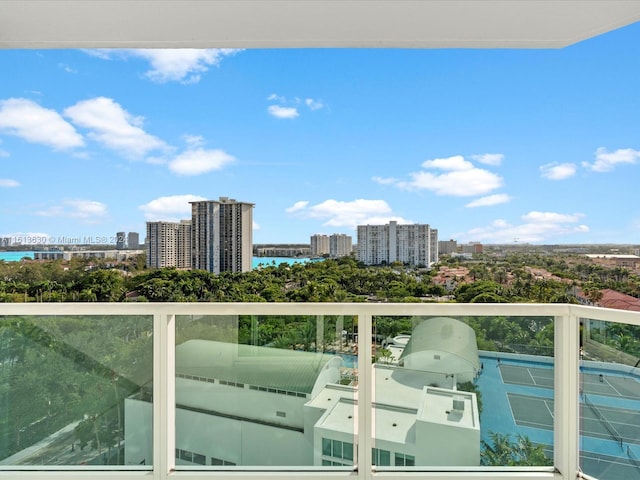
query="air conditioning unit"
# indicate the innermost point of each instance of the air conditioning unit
(458, 404)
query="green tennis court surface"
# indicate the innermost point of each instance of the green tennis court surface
(617, 424)
(609, 417)
(591, 383)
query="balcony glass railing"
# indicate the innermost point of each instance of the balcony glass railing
(322, 390)
(609, 399)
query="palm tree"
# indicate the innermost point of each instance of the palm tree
(503, 451)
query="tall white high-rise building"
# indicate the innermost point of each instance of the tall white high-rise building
(319, 244)
(222, 235)
(413, 244)
(169, 244)
(340, 245)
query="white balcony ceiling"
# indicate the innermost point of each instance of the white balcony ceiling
(309, 23)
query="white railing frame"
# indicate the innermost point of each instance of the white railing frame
(566, 394)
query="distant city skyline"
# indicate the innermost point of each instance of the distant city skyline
(491, 146)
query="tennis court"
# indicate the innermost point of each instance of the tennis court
(609, 411)
(591, 383)
(528, 376)
(618, 424)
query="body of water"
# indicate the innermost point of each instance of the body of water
(15, 256)
(268, 261)
(257, 261)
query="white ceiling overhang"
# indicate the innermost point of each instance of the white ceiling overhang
(309, 23)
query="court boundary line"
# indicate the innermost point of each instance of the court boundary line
(614, 388)
(550, 412)
(526, 423)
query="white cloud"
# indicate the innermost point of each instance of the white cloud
(301, 205)
(183, 65)
(101, 53)
(459, 178)
(536, 227)
(88, 211)
(31, 122)
(455, 163)
(558, 171)
(7, 182)
(171, 208)
(336, 213)
(276, 97)
(288, 108)
(255, 225)
(193, 141)
(546, 218)
(282, 112)
(66, 68)
(459, 184)
(607, 161)
(199, 161)
(489, 200)
(385, 181)
(313, 104)
(114, 127)
(494, 159)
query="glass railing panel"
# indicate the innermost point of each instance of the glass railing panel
(463, 392)
(71, 387)
(609, 399)
(266, 391)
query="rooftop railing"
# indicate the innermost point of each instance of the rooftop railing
(327, 391)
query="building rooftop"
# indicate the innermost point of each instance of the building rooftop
(276, 368)
(620, 301)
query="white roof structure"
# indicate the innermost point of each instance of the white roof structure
(409, 416)
(443, 345)
(276, 368)
(309, 23)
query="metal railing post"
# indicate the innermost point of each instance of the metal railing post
(567, 390)
(163, 395)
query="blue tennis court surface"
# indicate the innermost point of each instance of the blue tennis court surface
(518, 399)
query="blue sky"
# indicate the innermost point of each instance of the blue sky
(495, 146)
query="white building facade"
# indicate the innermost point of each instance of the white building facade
(340, 245)
(412, 244)
(319, 244)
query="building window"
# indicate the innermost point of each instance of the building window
(337, 449)
(403, 460)
(191, 457)
(380, 457)
(326, 447)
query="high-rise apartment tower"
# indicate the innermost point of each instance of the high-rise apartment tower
(222, 235)
(340, 245)
(133, 240)
(413, 244)
(169, 244)
(319, 244)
